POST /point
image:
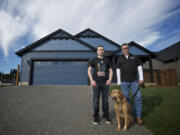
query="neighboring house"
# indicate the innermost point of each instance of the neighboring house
(167, 65)
(62, 59)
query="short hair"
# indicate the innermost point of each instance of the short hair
(124, 44)
(100, 46)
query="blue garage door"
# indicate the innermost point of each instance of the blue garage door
(60, 73)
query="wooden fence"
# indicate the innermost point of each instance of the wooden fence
(165, 77)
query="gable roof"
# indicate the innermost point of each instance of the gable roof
(132, 43)
(170, 53)
(59, 34)
(91, 33)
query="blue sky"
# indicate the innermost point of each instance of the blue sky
(154, 24)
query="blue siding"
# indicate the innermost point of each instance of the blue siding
(61, 44)
(61, 34)
(88, 33)
(95, 42)
(25, 67)
(60, 73)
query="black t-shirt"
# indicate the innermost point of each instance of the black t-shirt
(128, 67)
(101, 69)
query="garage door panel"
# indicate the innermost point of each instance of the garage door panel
(60, 73)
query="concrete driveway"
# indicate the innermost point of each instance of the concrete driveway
(54, 110)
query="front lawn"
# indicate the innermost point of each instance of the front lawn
(161, 109)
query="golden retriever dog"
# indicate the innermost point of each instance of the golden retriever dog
(122, 109)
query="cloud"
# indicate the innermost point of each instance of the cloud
(166, 41)
(136, 19)
(119, 20)
(11, 28)
(149, 39)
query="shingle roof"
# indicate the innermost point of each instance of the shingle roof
(57, 34)
(91, 33)
(132, 43)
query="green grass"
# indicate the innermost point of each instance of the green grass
(161, 109)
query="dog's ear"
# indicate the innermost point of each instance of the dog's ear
(121, 96)
(120, 93)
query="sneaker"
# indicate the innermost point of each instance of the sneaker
(96, 121)
(108, 120)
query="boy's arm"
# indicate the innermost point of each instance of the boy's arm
(93, 83)
(110, 76)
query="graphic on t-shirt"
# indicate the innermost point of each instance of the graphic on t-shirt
(101, 69)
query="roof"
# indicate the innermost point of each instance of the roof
(132, 43)
(59, 34)
(170, 53)
(91, 33)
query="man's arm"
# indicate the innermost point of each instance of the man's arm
(140, 72)
(93, 83)
(110, 76)
(118, 73)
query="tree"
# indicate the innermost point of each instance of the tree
(13, 73)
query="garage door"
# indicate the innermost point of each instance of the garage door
(60, 73)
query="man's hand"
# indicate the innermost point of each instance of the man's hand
(93, 83)
(108, 82)
(141, 82)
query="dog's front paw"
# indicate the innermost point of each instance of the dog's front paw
(118, 129)
(124, 128)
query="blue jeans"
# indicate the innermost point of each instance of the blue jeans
(101, 87)
(134, 86)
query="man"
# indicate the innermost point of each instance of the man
(101, 79)
(130, 76)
